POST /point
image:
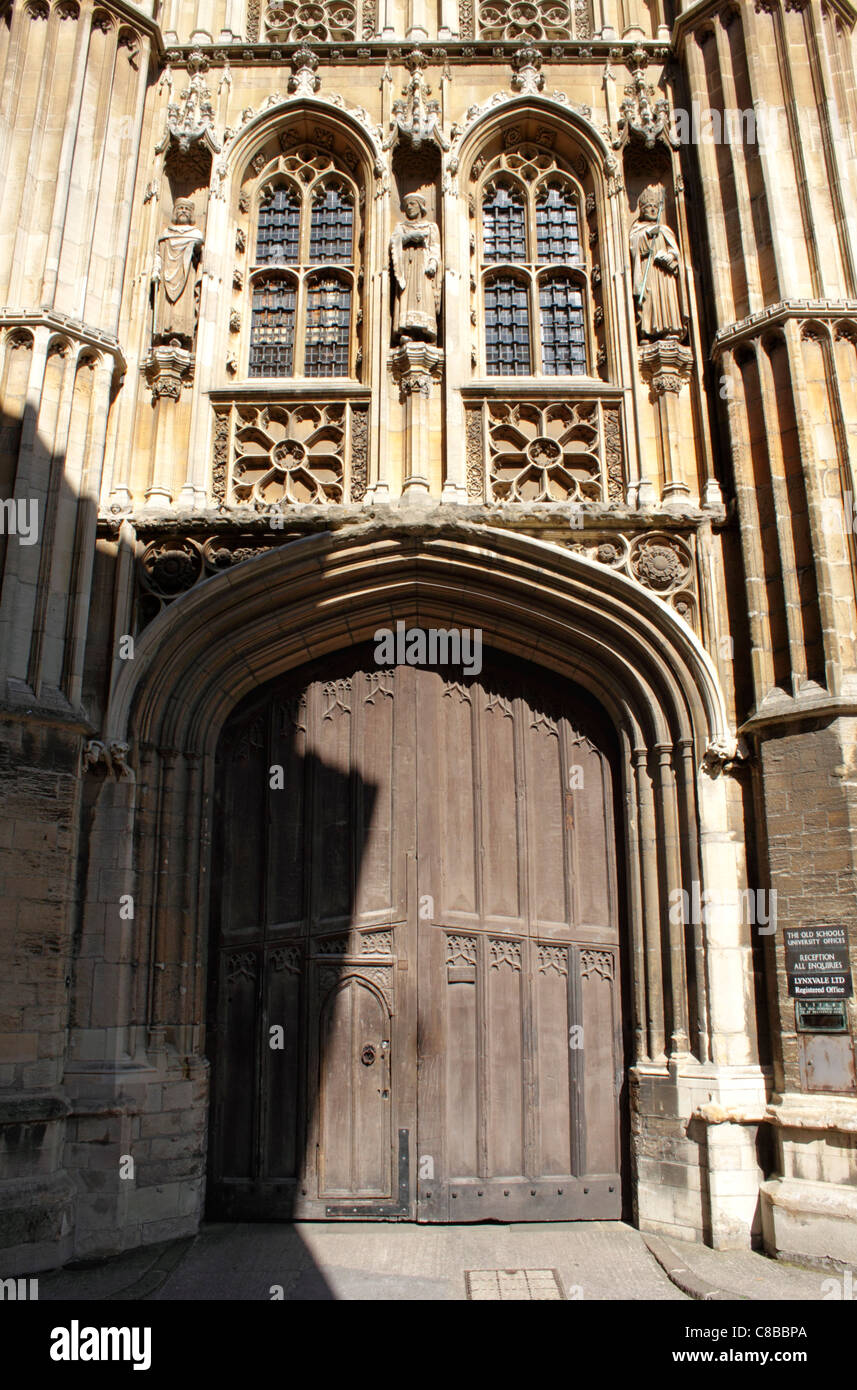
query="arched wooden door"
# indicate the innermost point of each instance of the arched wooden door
(415, 983)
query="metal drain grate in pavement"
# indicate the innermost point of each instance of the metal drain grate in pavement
(535, 1284)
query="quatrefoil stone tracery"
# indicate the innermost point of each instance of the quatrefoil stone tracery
(524, 19)
(319, 21)
(543, 455)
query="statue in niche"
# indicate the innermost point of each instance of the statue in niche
(178, 253)
(656, 263)
(415, 253)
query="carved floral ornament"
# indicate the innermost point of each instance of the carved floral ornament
(289, 456)
(171, 565)
(659, 561)
(544, 454)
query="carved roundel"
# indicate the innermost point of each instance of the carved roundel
(661, 563)
(171, 566)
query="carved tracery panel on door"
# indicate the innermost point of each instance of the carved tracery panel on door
(415, 956)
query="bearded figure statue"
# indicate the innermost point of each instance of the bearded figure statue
(178, 253)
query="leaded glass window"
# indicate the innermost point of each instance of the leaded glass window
(272, 336)
(331, 236)
(504, 224)
(562, 327)
(278, 232)
(302, 322)
(507, 327)
(536, 316)
(556, 225)
(328, 320)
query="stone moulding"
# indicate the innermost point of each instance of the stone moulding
(84, 333)
(277, 106)
(778, 313)
(556, 103)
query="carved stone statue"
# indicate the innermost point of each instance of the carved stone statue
(415, 253)
(179, 249)
(656, 262)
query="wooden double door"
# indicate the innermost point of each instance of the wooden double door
(414, 1009)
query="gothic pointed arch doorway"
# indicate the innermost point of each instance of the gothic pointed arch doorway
(415, 1005)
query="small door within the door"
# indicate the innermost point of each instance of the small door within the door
(355, 1133)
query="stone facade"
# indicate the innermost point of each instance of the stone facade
(230, 468)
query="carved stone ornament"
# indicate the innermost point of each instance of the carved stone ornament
(416, 119)
(533, 21)
(113, 756)
(167, 370)
(666, 365)
(644, 116)
(660, 562)
(543, 453)
(527, 63)
(304, 82)
(724, 754)
(289, 456)
(415, 367)
(171, 566)
(319, 21)
(190, 120)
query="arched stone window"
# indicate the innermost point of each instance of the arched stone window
(535, 311)
(304, 218)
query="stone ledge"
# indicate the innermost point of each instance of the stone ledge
(812, 1223)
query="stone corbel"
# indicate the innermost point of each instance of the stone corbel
(113, 756)
(167, 369)
(304, 81)
(528, 78)
(724, 754)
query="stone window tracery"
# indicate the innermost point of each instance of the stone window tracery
(533, 276)
(304, 245)
(532, 20)
(318, 21)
